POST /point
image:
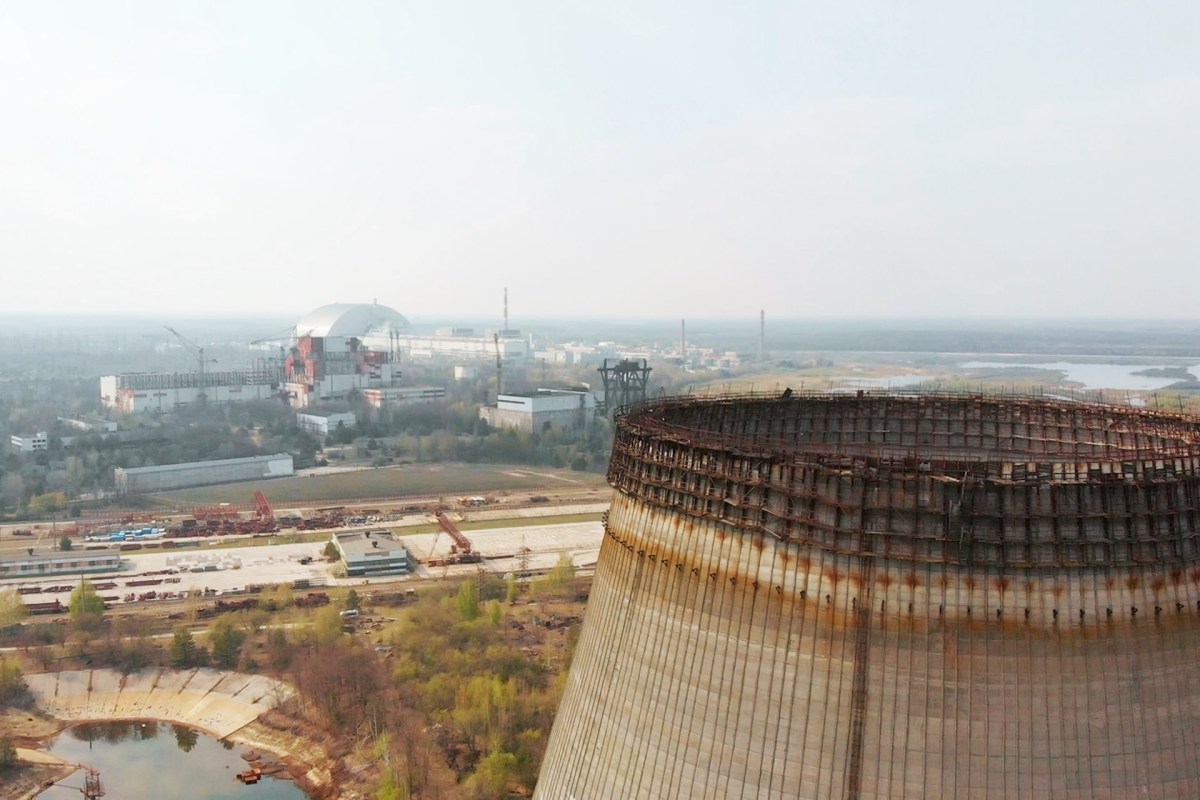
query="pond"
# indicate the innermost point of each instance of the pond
(153, 760)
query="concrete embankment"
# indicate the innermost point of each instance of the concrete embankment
(218, 703)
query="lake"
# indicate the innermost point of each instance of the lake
(153, 760)
(1091, 376)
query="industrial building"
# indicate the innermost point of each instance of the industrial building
(201, 473)
(341, 349)
(463, 343)
(874, 596)
(322, 425)
(542, 410)
(29, 443)
(62, 563)
(89, 424)
(333, 352)
(136, 392)
(371, 553)
(403, 395)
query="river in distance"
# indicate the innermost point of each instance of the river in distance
(154, 760)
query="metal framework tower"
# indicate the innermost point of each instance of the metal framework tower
(624, 384)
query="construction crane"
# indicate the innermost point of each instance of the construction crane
(197, 351)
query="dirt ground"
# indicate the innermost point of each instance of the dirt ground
(27, 729)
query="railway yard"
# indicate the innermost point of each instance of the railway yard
(525, 534)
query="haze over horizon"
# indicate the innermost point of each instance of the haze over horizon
(619, 160)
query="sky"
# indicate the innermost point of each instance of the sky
(602, 159)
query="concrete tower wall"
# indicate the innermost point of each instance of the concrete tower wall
(783, 609)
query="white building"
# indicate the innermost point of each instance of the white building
(324, 424)
(371, 553)
(135, 392)
(202, 473)
(343, 348)
(543, 410)
(511, 347)
(403, 395)
(31, 443)
(90, 424)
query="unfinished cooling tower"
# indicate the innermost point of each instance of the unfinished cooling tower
(890, 597)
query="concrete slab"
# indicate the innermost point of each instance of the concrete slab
(215, 702)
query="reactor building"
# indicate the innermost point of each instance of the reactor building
(878, 596)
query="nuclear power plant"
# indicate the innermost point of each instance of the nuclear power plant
(872, 596)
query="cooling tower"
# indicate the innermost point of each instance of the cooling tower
(890, 597)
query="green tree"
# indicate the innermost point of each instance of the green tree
(65, 543)
(392, 788)
(330, 552)
(226, 639)
(47, 503)
(327, 626)
(511, 589)
(184, 652)
(353, 601)
(12, 681)
(8, 753)
(467, 601)
(492, 776)
(84, 602)
(12, 609)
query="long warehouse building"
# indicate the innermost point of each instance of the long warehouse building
(202, 473)
(853, 597)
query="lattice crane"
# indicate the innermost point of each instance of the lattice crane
(197, 351)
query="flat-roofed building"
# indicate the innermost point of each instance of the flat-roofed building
(542, 410)
(202, 473)
(322, 425)
(68, 562)
(30, 443)
(371, 553)
(403, 395)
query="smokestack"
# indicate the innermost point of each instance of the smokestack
(762, 336)
(505, 310)
(683, 340)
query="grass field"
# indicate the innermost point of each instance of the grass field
(424, 480)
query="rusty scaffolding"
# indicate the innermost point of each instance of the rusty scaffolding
(971, 480)
(875, 596)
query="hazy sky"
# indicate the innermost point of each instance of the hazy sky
(602, 158)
